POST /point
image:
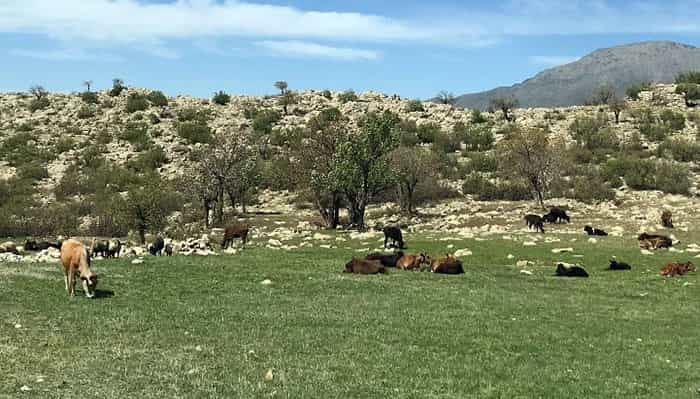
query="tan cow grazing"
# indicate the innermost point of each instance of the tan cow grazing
(76, 260)
(412, 262)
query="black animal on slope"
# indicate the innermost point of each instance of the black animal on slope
(393, 233)
(156, 249)
(570, 271)
(556, 215)
(594, 232)
(387, 260)
(535, 221)
(615, 265)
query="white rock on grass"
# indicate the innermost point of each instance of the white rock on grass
(524, 263)
(529, 244)
(526, 272)
(647, 252)
(562, 250)
(593, 240)
(463, 252)
(137, 261)
(511, 256)
(266, 282)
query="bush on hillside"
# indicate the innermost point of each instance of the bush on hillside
(157, 98)
(221, 98)
(634, 90)
(195, 132)
(680, 149)
(674, 120)
(347, 97)
(39, 104)
(136, 102)
(86, 112)
(428, 132)
(414, 106)
(89, 97)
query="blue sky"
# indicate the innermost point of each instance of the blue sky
(412, 48)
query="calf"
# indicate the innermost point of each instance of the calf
(99, 248)
(615, 265)
(570, 271)
(362, 266)
(534, 221)
(556, 215)
(677, 269)
(114, 247)
(667, 219)
(412, 262)
(238, 230)
(169, 250)
(386, 260)
(594, 232)
(447, 265)
(393, 233)
(653, 241)
(75, 259)
(156, 249)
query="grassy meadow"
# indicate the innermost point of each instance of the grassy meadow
(205, 327)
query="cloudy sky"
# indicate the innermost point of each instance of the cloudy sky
(413, 48)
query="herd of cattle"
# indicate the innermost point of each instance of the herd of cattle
(76, 256)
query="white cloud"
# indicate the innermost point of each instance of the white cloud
(552, 60)
(70, 54)
(295, 48)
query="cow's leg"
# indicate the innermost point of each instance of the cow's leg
(71, 281)
(386, 239)
(65, 279)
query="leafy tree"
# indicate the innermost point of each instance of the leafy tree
(690, 92)
(532, 156)
(411, 166)
(414, 106)
(221, 98)
(117, 87)
(281, 86)
(592, 134)
(136, 102)
(506, 106)
(347, 97)
(447, 98)
(41, 98)
(364, 167)
(146, 208)
(157, 98)
(89, 97)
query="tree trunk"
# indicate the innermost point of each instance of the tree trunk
(219, 214)
(207, 208)
(142, 235)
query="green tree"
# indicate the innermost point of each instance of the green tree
(281, 86)
(506, 106)
(411, 166)
(221, 98)
(117, 87)
(690, 93)
(288, 98)
(146, 209)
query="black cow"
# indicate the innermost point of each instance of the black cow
(535, 221)
(556, 215)
(615, 265)
(100, 248)
(570, 271)
(594, 232)
(156, 249)
(387, 260)
(32, 245)
(393, 233)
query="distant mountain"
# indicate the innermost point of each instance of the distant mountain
(574, 83)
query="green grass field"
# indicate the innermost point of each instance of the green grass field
(188, 327)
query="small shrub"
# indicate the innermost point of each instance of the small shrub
(415, 106)
(154, 119)
(593, 134)
(86, 112)
(89, 97)
(680, 149)
(221, 98)
(38, 104)
(137, 135)
(427, 132)
(149, 161)
(32, 171)
(327, 94)
(655, 131)
(672, 178)
(476, 138)
(194, 132)
(117, 88)
(64, 144)
(445, 143)
(482, 162)
(193, 115)
(477, 117)
(136, 102)
(103, 137)
(592, 188)
(347, 97)
(634, 90)
(692, 77)
(264, 121)
(107, 104)
(157, 98)
(674, 120)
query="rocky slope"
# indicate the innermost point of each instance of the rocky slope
(574, 83)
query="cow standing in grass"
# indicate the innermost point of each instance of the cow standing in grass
(536, 222)
(156, 249)
(75, 259)
(393, 233)
(238, 230)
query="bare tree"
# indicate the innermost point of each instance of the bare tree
(447, 98)
(531, 155)
(88, 84)
(506, 106)
(281, 86)
(39, 92)
(617, 105)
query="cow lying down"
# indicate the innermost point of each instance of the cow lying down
(564, 270)
(447, 265)
(362, 266)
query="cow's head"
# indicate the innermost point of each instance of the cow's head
(89, 284)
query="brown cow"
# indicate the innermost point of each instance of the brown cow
(447, 265)
(412, 262)
(76, 260)
(677, 269)
(652, 241)
(667, 219)
(362, 266)
(238, 230)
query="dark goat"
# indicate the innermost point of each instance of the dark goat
(393, 233)
(570, 271)
(594, 232)
(32, 245)
(667, 219)
(238, 230)
(556, 215)
(156, 249)
(388, 260)
(535, 221)
(615, 265)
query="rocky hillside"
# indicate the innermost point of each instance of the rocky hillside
(574, 83)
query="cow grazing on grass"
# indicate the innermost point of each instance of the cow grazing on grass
(393, 233)
(238, 230)
(556, 215)
(653, 241)
(677, 269)
(156, 249)
(534, 221)
(615, 265)
(75, 259)
(667, 219)
(387, 260)
(362, 266)
(412, 262)
(447, 265)
(564, 270)
(594, 232)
